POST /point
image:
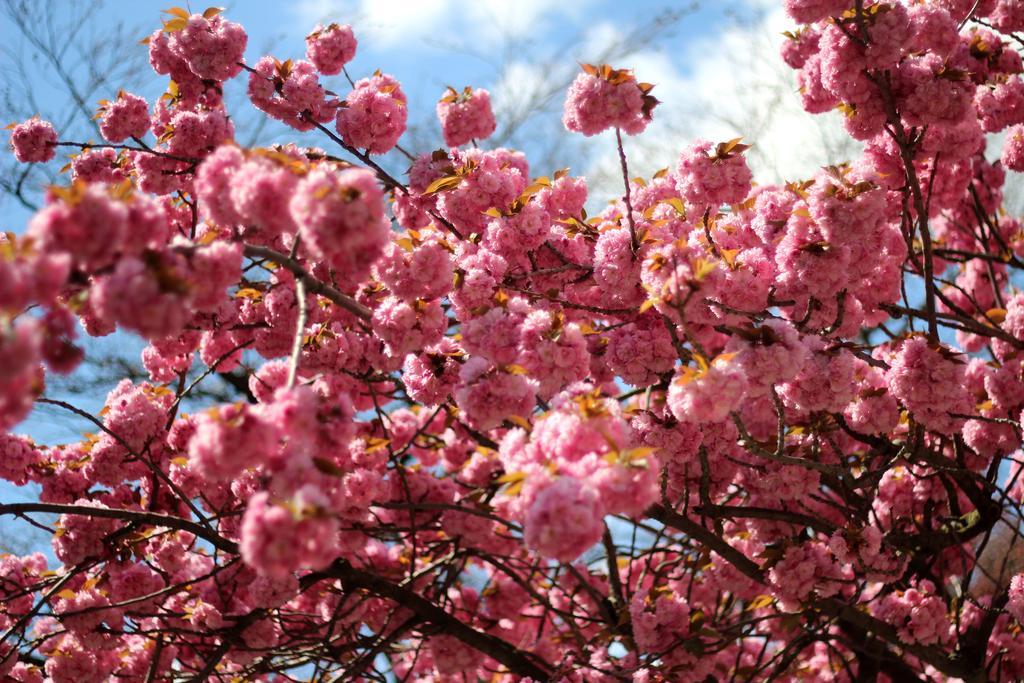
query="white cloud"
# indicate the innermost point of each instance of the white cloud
(518, 88)
(396, 22)
(736, 85)
(731, 82)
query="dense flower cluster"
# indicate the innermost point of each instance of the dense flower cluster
(211, 46)
(330, 48)
(472, 423)
(374, 114)
(34, 141)
(601, 98)
(465, 116)
(340, 215)
(291, 92)
(930, 383)
(126, 117)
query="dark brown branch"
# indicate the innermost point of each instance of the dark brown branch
(312, 284)
(517, 661)
(154, 518)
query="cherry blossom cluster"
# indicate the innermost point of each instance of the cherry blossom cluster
(487, 425)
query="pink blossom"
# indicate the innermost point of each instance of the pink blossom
(260, 192)
(929, 98)
(34, 140)
(340, 216)
(212, 48)
(1007, 16)
(553, 350)
(564, 520)
(918, 613)
(423, 269)
(800, 47)
(125, 117)
(928, 380)
(769, 355)
(641, 352)
(280, 538)
(489, 180)
(497, 374)
(1001, 105)
(524, 230)
(83, 536)
(707, 175)
(158, 174)
(1015, 605)
(374, 114)
(495, 334)
(196, 134)
(811, 11)
(452, 656)
(228, 440)
(17, 454)
(148, 296)
(405, 327)
(603, 98)
(932, 29)
(487, 395)
(465, 116)
(826, 381)
(99, 166)
(805, 570)
(431, 376)
(1013, 149)
(291, 92)
(709, 393)
(331, 47)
